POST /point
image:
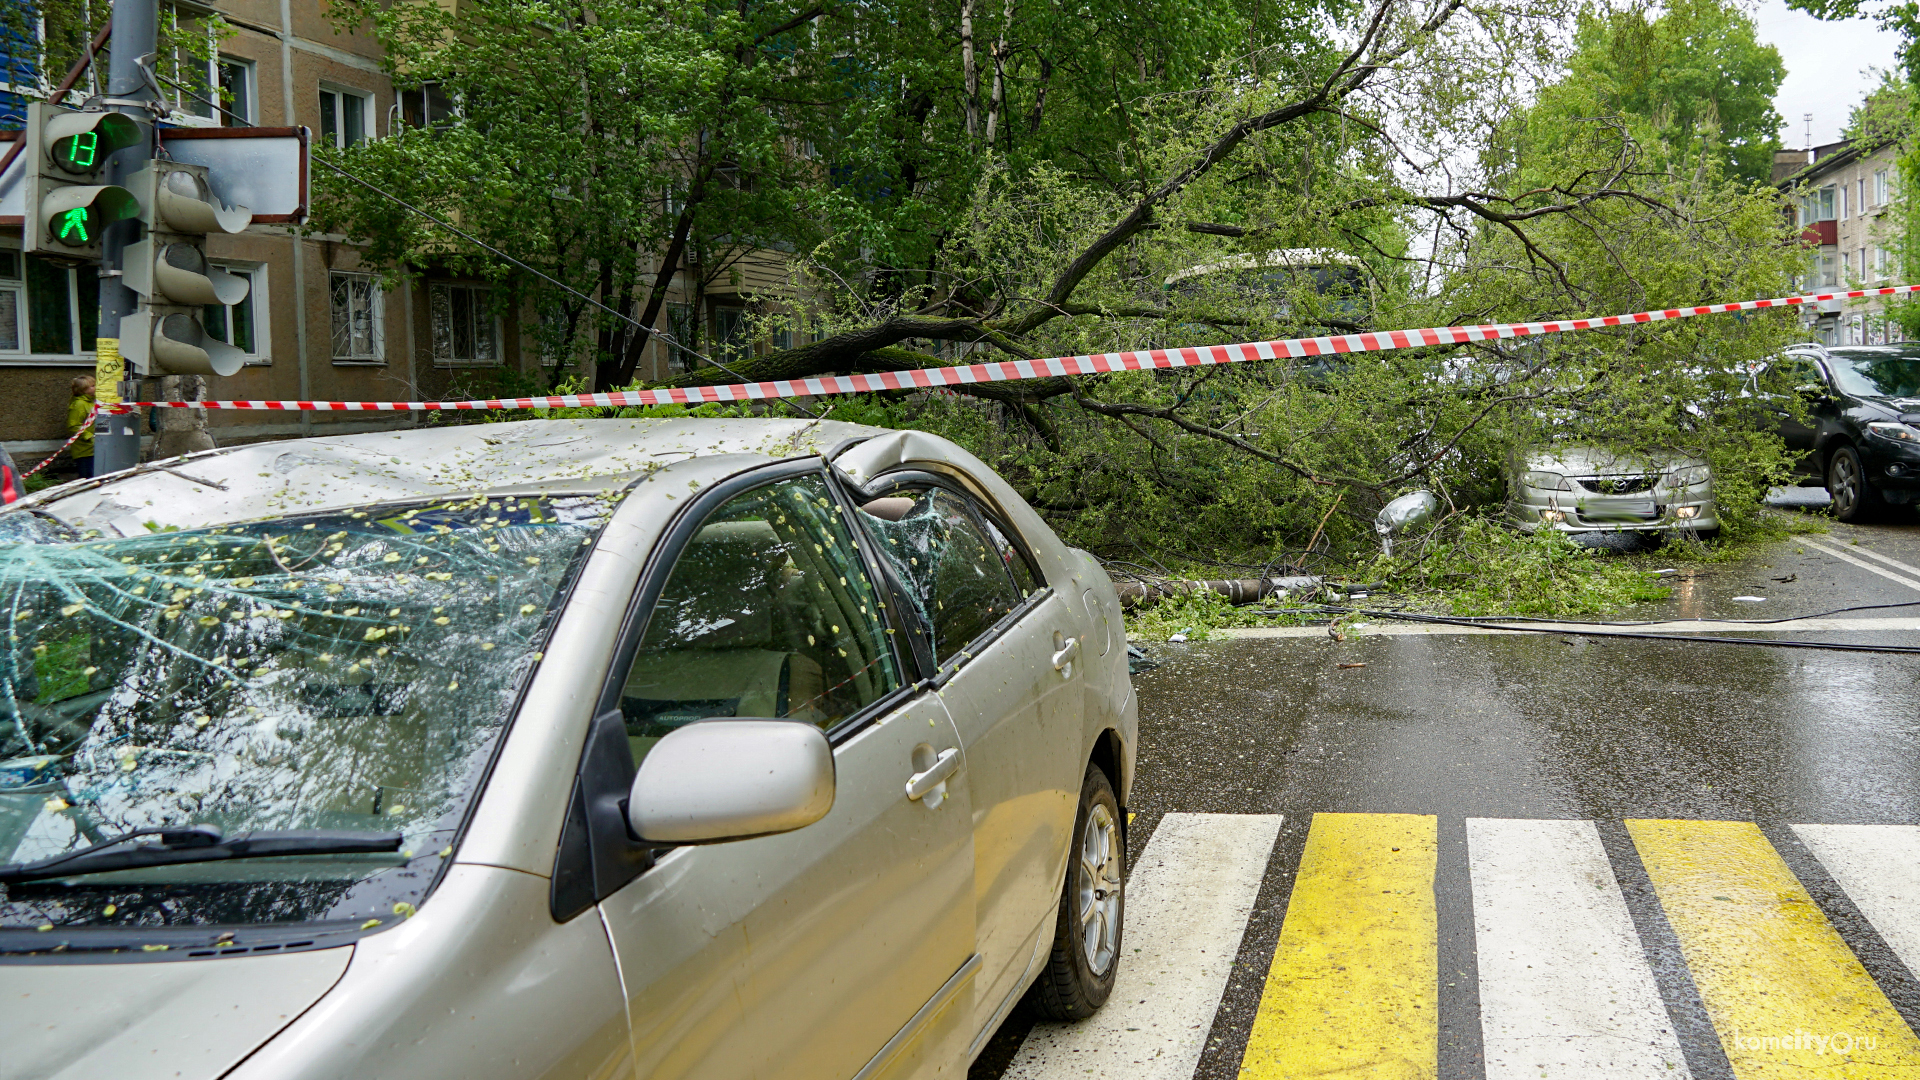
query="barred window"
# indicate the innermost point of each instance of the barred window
(357, 312)
(465, 330)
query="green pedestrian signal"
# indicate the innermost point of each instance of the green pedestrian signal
(68, 209)
(71, 227)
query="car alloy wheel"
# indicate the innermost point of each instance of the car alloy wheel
(1090, 916)
(1098, 885)
(1847, 484)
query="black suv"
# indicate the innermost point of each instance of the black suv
(1863, 439)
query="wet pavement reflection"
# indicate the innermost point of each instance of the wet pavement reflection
(1579, 729)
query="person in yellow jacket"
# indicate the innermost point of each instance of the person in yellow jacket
(79, 410)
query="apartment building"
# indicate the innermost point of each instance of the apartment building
(318, 323)
(1840, 194)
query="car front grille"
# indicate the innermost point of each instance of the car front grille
(1617, 485)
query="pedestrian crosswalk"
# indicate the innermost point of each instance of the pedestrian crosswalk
(1566, 978)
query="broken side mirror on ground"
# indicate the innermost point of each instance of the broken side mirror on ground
(732, 779)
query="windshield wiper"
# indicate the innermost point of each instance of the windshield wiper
(199, 843)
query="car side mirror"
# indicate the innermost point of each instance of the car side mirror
(726, 779)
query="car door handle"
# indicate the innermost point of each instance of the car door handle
(922, 783)
(1066, 655)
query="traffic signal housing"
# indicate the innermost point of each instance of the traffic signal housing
(65, 153)
(170, 272)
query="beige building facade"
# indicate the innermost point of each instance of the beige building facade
(1841, 195)
(318, 325)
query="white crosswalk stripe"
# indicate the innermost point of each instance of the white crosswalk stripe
(1565, 989)
(1878, 867)
(1187, 905)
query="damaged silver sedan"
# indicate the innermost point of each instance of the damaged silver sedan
(716, 748)
(1585, 489)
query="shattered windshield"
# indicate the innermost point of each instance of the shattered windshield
(347, 671)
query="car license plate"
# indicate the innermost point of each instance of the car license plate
(1620, 508)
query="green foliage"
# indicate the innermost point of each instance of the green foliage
(1690, 79)
(1491, 569)
(1052, 195)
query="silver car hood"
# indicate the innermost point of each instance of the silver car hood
(178, 1020)
(1596, 461)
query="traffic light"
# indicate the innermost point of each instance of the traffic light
(170, 271)
(66, 150)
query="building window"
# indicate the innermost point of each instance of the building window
(1843, 202)
(1882, 261)
(236, 92)
(1816, 206)
(239, 325)
(1827, 277)
(1880, 187)
(429, 106)
(465, 329)
(684, 332)
(730, 334)
(343, 117)
(1846, 267)
(357, 311)
(47, 310)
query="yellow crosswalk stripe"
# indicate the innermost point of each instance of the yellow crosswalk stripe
(1785, 994)
(1354, 984)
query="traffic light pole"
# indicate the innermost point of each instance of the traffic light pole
(116, 438)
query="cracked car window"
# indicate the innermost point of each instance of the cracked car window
(768, 612)
(956, 578)
(351, 670)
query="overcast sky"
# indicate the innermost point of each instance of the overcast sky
(1827, 66)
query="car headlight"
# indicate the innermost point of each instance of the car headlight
(1546, 481)
(1693, 477)
(1897, 432)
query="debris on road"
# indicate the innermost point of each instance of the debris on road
(1402, 514)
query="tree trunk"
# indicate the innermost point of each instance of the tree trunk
(617, 373)
(970, 75)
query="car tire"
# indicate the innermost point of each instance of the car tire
(1854, 498)
(1087, 934)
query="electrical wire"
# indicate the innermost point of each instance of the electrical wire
(1568, 631)
(1663, 622)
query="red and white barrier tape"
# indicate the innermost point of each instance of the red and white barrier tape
(71, 439)
(1003, 371)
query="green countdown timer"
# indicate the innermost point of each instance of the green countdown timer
(78, 153)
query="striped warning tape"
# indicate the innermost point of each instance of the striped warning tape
(930, 378)
(71, 439)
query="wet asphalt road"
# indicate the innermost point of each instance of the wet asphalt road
(1532, 726)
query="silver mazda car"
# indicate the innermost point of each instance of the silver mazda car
(1588, 489)
(562, 748)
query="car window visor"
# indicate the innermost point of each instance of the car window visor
(199, 844)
